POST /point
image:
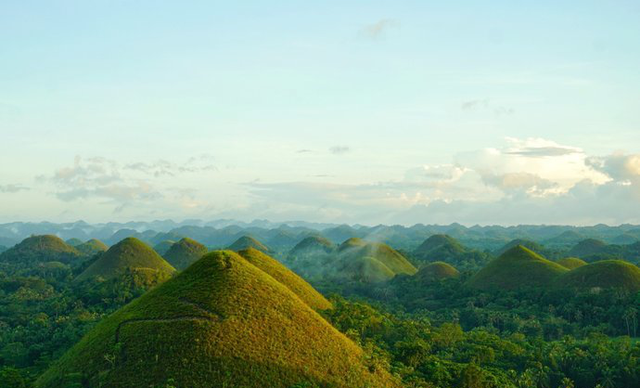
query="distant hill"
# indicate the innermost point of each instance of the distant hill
(587, 247)
(222, 322)
(127, 254)
(603, 274)
(571, 262)
(246, 242)
(569, 237)
(531, 245)
(436, 271)
(283, 239)
(285, 276)
(184, 253)
(3, 248)
(444, 248)
(40, 249)
(361, 261)
(163, 246)
(74, 242)
(340, 233)
(311, 245)
(92, 247)
(516, 268)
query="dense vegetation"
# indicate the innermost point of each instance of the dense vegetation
(500, 317)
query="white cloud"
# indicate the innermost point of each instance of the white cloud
(377, 29)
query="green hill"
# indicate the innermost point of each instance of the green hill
(440, 243)
(128, 253)
(285, 276)
(353, 242)
(358, 260)
(365, 269)
(436, 271)
(603, 274)
(92, 247)
(571, 262)
(516, 268)
(40, 249)
(529, 244)
(442, 247)
(587, 247)
(163, 246)
(184, 253)
(312, 244)
(220, 323)
(74, 242)
(246, 242)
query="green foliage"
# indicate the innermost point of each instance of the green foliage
(571, 262)
(444, 248)
(39, 249)
(603, 274)
(92, 247)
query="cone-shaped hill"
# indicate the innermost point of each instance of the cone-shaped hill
(516, 268)
(163, 246)
(184, 253)
(571, 262)
(74, 242)
(222, 322)
(285, 276)
(40, 249)
(311, 245)
(587, 247)
(246, 242)
(92, 247)
(603, 274)
(529, 244)
(126, 255)
(353, 242)
(439, 244)
(442, 247)
(363, 261)
(436, 271)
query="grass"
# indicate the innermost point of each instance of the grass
(571, 262)
(184, 253)
(285, 276)
(92, 247)
(128, 253)
(518, 267)
(313, 243)
(222, 322)
(163, 246)
(603, 274)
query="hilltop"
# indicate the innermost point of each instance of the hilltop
(588, 247)
(222, 322)
(436, 271)
(246, 242)
(516, 268)
(571, 262)
(40, 249)
(603, 274)
(529, 244)
(444, 248)
(312, 244)
(184, 253)
(129, 253)
(285, 276)
(92, 247)
(163, 246)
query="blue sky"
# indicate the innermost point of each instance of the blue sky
(350, 111)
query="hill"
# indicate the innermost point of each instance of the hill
(444, 248)
(361, 261)
(312, 244)
(587, 247)
(285, 276)
(353, 242)
(40, 249)
(246, 242)
(163, 246)
(184, 253)
(529, 244)
(220, 323)
(516, 268)
(603, 274)
(571, 262)
(92, 247)
(74, 242)
(128, 253)
(436, 271)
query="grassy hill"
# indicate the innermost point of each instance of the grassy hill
(587, 247)
(92, 247)
(222, 322)
(40, 249)
(603, 274)
(285, 276)
(529, 244)
(516, 268)
(184, 253)
(442, 247)
(361, 261)
(437, 271)
(571, 262)
(163, 246)
(312, 244)
(74, 242)
(128, 253)
(246, 242)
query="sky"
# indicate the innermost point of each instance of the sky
(360, 112)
